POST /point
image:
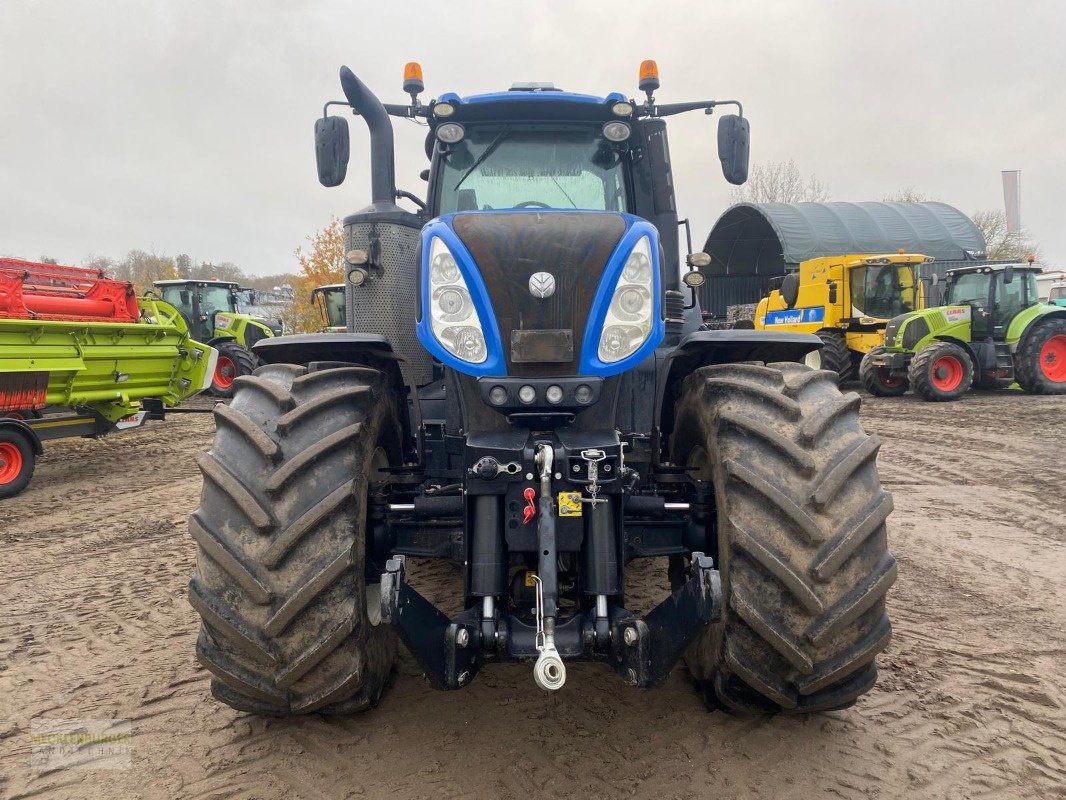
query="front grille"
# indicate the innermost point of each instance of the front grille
(915, 331)
(509, 247)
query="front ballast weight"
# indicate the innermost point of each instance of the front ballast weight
(642, 650)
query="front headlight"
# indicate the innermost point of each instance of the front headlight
(452, 316)
(629, 317)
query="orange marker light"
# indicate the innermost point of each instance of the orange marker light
(412, 78)
(649, 76)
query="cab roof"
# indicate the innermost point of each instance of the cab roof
(530, 101)
(997, 267)
(181, 281)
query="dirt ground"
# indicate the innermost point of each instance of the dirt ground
(971, 700)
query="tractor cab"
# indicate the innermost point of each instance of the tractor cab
(1057, 295)
(995, 294)
(200, 303)
(330, 303)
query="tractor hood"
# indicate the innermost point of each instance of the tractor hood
(542, 286)
(907, 330)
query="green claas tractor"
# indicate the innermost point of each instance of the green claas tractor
(211, 312)
(331, 305)
(990, 331)
(526, 391)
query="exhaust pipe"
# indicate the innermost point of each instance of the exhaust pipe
(382, 159)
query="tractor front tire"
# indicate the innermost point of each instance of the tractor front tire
(877, 380)
(234, 360)
(834, 355)
(289, 601)
(1040, 362)
(800, 538)
(940, 372)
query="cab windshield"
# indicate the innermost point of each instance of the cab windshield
(216, 299)
(883, 291)
(333, 303)
(1057, 293)
(969, 288)
(496, 167)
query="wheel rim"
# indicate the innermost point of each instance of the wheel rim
(10, 462)
(946, 373)
(14, 415)
(885, 378)
(225, 372)
(1053, 358)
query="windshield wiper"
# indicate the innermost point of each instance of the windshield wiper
(484, 155)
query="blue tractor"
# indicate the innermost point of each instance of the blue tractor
(525, 390)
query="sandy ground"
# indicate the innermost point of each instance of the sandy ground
(971, 700)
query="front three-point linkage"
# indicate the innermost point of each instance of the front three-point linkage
(549, 672)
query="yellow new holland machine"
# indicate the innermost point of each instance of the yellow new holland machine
(846, 301)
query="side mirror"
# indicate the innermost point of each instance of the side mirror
(934, 279)
(734, 137)
(331, 150)
(1008, 273)
(790, 287)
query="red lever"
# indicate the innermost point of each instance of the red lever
(530, 510)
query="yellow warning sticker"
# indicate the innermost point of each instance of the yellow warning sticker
(569, 504)
(531, 579)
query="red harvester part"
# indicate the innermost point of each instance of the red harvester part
(29, 290)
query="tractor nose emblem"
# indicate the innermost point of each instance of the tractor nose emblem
(542, 284)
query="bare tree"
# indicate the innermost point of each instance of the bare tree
(908, 195)
(780, 182)
(1001, 244)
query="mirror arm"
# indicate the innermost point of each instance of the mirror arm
(392, 109)
(412, 197)
(669, 109)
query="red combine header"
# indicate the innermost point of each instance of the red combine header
(29, 290)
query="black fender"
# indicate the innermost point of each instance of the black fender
(363, 349)
(31, 434)
(974, 350)
(217, 340)
(706, 348)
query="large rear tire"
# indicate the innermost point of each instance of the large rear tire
(17, 461)
(800, 537)
(1040, 363)
(289, 601)
(834, 355)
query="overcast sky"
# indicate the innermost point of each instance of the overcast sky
(186, 125)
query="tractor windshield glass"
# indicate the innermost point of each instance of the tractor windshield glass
(501, 167)
(1057, 293)
(333, 300)
(214, 299)
(883, 291)
(969, 288)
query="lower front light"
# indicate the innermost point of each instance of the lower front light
(619, 341)
(554, 394)
(466, 341)
(498, 395)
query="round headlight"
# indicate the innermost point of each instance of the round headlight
(619, 341)
(554, 394)
(357, 277)
(443, 109)
(583, 394)
(616, 131)
(466, 341)
(527, 394)
(622, 109)
(631, 300)
(497, 395)
(444, 268)
(453, 303)
(450, 132)
(637, 268)
(694, 279)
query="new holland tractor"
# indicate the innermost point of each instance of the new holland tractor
(991, 331)
(211, 311)
(524, 390)
(846, 301)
